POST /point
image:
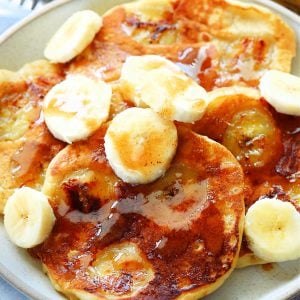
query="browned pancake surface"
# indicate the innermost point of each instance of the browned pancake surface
(215, 42)
(27, 145)
(278, 176)
(187, 225)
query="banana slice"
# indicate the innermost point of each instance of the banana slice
(117, 259)
(134, 71)
(272, 228)
(140, 145)
(153, 81)
(73, 36)
(28, 217)
(282, 91)
(252, 136)
(76, 107)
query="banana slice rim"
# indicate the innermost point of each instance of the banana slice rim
(74, 41)
(259, 245)
(141, 166)
(165, 88)
(41, 225)
(287, 91)
(85, 107)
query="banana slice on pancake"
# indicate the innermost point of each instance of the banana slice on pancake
(154, 10)
(135, 69)
(282, 91)
(120, 258)
(140, 145)
(237, 118)
(76, 107)
(272, 228)
(28, 217)
(176, 237)
(153, 81)
(73, 36)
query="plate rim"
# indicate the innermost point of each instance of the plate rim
(5, 273)
(20, 285)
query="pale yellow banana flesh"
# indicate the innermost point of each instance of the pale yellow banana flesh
(76, 107)
(272, 229)
(28, 217)
(155, 82)
(140, 145)
(282, 91)
(73, 36)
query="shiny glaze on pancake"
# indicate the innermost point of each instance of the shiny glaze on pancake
(198, 247)
(198, 35)
(280, 176)
(27, 145)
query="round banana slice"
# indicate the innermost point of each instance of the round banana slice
(75, 108)
(140, 145)
(244, 125)
(115, 260)
(134, 71)
(272, 228)
(282, 91)
(250, 136)
(28, 217)
(73, 36)
(153, 81)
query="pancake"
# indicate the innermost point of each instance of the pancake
(266, 144)
(176, 237)
(26, 145)
(217, 43)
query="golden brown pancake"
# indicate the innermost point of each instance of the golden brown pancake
(26, 145)
(216, 42)
(266, 143)
(177, 236)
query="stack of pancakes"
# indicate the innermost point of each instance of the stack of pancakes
(114, 240)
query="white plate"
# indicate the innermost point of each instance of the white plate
(24, 43)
